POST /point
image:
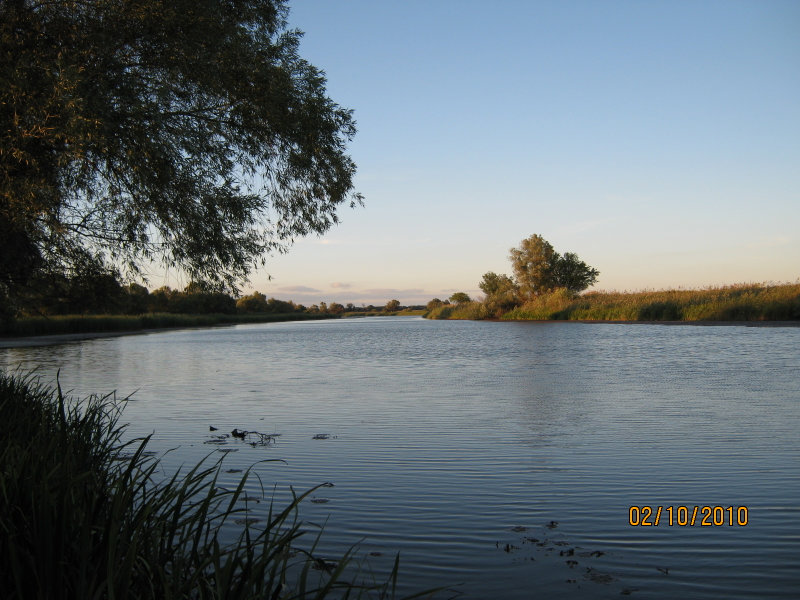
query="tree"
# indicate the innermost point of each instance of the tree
(534, 265)
(501, 292)
(252, 303)
(460, 298)
(392, 306)
(434, 303)
(188, 132)
(539, 269)
(574, 274)
(493, 284)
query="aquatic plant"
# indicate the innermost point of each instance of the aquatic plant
(84, 514)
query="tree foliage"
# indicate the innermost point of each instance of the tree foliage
(392, 306)
(539, 269)
(460, 298)
(434, 303)
(187, 132)
(493, 284)
(502, 293)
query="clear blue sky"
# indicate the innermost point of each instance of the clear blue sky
(659, 140)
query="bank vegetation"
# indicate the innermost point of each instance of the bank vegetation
(741, 302)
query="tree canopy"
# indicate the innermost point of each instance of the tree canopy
(186, 132)
(538, 268)
(460, 298)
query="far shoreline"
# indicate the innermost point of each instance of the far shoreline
(65, 338)
(52, 339)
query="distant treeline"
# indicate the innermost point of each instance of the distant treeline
(743, 302)
(101, 293)
(98, 302)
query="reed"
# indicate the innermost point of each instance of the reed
(85, 515)
(743, 302)
(464, 311)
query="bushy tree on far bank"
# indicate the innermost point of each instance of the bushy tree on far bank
(434, 303)
(460, 298)
(574, 274)
(502, 294)
(392, 306)
(539, 269)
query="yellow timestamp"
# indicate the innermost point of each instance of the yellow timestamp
(705, 516)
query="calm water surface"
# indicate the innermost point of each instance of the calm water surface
(458, 444)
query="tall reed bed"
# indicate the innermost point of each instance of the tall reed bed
(62, 324)
(465, 311)
(744, 302)
(85, 516)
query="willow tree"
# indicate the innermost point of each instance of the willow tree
(186, 132)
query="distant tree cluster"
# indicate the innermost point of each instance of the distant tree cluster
(98, 291)
(538, 269)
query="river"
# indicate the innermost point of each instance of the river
(500, 459)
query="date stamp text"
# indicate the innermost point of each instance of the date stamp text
(683, 516)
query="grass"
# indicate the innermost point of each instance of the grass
(84, 515)
(465, 311)
(62, 324)
(743, 302)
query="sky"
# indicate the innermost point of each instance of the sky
(658, 140)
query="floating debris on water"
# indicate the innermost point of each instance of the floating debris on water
(320, 500)
(247, 521)
(255, 438)
(544, 546)
(596, 576)
(321, 436)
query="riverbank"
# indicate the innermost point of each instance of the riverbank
(45, 331)
(88, 326)
(749, 303)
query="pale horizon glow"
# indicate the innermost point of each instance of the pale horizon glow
(659, 141)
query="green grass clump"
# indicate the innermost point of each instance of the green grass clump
(84, 515)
